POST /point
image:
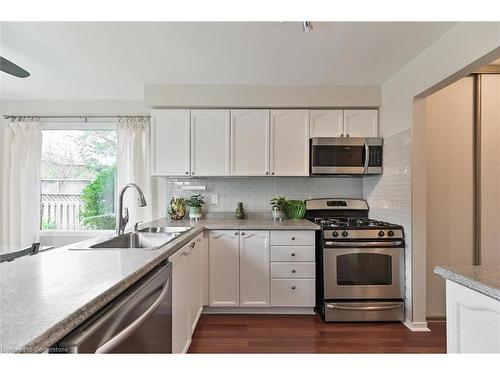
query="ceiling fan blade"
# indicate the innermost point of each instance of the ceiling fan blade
(13, 69)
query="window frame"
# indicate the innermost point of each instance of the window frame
(77, 124)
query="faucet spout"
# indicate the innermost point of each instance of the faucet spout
(123, 220)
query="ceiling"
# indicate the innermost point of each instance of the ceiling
(114, 60)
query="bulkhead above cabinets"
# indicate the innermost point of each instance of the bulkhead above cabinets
(247, 142)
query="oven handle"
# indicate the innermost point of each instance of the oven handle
(338, 244)
(335, 306)
(367, 156)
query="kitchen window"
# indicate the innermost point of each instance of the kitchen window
(78, 177)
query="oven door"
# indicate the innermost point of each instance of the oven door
(346, 156)
(363, 273)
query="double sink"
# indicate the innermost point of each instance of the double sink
(150, 238)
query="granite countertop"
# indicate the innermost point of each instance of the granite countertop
(255, 223)
(45, 296)
(482, 279)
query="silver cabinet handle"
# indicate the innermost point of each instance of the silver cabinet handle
(293, 287)
(334, 306)
(367, 156)
(128, 330)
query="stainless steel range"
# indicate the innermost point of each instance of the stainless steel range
(360, 262)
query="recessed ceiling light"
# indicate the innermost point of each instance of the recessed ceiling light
(308, 26)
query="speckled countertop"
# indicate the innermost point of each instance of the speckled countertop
(44, 297)
(482, 279)
(255, 223)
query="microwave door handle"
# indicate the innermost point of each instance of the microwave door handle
(367, 156)
(131, 328)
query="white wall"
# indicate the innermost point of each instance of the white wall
(464, 48)
(245, 96)
(83, 107)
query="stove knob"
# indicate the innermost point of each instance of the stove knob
(390, 233)
(381, 233)
(344, 234)
(335, 233)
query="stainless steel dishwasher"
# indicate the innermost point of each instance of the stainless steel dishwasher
(137, 321)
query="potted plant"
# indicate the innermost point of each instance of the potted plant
(177, 208)
(279, 208)
(295, 209)
(195, 202)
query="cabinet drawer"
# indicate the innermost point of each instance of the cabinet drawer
(292, 253)
(293, 270)
(293, 292)
(292, 237)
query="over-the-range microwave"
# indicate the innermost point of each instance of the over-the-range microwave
(346, 156)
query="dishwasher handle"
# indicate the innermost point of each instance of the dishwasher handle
(127, 331)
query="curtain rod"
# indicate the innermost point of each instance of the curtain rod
(81, 116)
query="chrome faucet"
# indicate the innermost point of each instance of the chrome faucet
(123, 220)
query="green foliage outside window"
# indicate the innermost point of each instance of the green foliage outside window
(98, 201)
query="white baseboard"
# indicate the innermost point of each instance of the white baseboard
(258, 310)
(416, 326)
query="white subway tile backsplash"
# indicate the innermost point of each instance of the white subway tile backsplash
(389, 196)
(256, 192)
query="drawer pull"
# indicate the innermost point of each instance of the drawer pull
(293, 287)
(293, 238)
(293, 271)
(293, 254)
(235, 233)
(193, 244)
(242, 233)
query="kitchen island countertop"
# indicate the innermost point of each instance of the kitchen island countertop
(482, 279)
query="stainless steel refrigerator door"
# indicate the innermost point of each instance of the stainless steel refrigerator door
(138, 321)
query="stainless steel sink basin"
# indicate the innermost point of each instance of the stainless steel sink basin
(147, 238)
(136, 241)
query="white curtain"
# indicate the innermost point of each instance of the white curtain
(20, 183)
(133, 166)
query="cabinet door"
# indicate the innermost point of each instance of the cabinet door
(181, 325)
(254, 268)
(223, 268)
(326, 123)
(170, 142)
(196, 304)
(290, 142)
(361, 122)
(210, 142)
(250, 142)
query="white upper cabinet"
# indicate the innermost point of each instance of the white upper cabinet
(224, 267)
(250, 142)
(210, 142)
(170, 142)
(326, 123)
(254, 268)
(361, 122)
(290, 142)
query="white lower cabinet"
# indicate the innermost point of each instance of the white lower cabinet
(293, 292)
(186, 293)
(472, 321)
(254, 268)
(246, 271)
(223, 268)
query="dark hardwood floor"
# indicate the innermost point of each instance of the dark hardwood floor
(309, 334)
